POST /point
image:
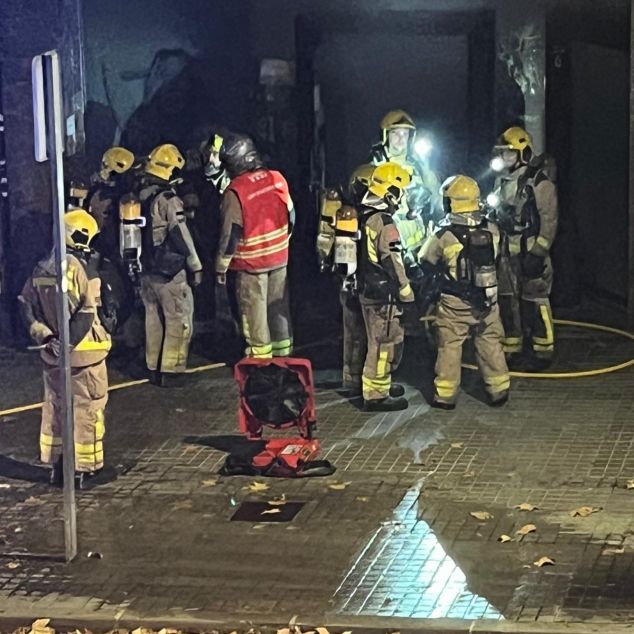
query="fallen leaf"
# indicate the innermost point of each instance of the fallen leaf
(629, 484)
(362, 498)
(322, 630)
(257, 487)
(271, 511)
(209, 483)
(180, 506)
(584, 511)
(284, 630)
(526, 529)
(5, 486)
(12, 565)
(278, 501)
(505, 538)
(17, 530)
(33, 501)
(40, 623)
(481, 515)
(525, 506)
(544, 561)
(613, 551)
(142, 630)
(339, 486)
(188, 449)
(457, 445)
(469, 474)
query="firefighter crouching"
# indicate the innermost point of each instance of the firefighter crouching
(257, 219)
(383, 287)
(89, 344)
(168, 254)
(466, 246)
(525, 207)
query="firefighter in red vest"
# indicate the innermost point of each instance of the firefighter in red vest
(257, 219)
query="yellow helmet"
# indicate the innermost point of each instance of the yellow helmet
(117, 159)
(388, 181)
(81, 228)
(396, 119)
(518, 139)
(163, 160)
(461, 194)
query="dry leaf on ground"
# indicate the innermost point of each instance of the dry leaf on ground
(629, 484)
(457, 445)
(271, 511)
(526, 529)
(481, 515)
(584, 511)
(12, 565)
(544, 561)
(256, 487)
(525, 506)
(362, 498)
(468, 474)
(5, 486)
(41, 626)
(505, 538)
(322, 630)
(278, 501)
(613, 551)
(33, 501)
(207, 483)
(339, 486)
(180, 506)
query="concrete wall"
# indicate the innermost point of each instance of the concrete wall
(28, 29)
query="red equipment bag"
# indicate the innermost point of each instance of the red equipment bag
(275, 392)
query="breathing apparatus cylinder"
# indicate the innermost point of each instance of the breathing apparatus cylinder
(131, 225)
(346, 240)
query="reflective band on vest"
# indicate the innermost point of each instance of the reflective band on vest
(264, 199)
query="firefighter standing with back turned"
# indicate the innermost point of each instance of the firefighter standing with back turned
(526, 210)
(384, 290)
(89, 344)
(168, 255)
(466, 247)
(257, 219)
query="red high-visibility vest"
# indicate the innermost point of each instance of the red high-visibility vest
(265, 202)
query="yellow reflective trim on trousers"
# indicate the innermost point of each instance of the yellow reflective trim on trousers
(92, 346)
(405, 292)
(501, 383)
(515, 248)
(542, 242)
(548, 323)
(381, 364)
(261, 352)
(282, 348)
(46, 440)
(446, 389)
(371, 247)
(377, 383)
(100, 425)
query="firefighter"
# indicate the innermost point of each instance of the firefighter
(257, 219)
(466, 246)
(383, 287)
(108, 186)
(167, 257)
(420, 207)
(89, 343)
(526, 210)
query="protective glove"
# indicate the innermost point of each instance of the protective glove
(533, 266)
(410, 317)
(53, 347)
(505, 216)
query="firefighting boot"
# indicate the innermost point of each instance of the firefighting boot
(387, 404)
(438, 404)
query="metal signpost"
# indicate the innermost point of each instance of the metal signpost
(49, 139)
